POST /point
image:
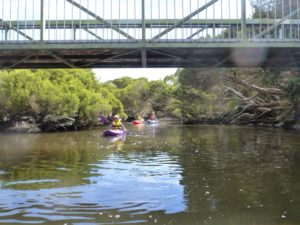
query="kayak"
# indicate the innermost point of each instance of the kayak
(113, 132)
(152, 121)
(137, 122)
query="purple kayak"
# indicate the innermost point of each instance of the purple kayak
(113, 132)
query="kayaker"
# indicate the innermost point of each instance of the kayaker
(138, 117)
(117, 124)
(152, 116)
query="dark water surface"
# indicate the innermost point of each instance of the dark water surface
(169, 174)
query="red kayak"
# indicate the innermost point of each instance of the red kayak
(137, 122)
(108, 133)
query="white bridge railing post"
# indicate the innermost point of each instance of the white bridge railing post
(42, 20)
(244, 28)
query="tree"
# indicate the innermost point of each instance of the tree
(54, 94)
(292, 90)
(134, 96)
(197, 93)
(274, 9)
(277, 9)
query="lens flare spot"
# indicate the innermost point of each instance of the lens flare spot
(249, 57)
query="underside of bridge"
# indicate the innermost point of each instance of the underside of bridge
(137, 55)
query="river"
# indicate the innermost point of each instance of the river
(165, 174)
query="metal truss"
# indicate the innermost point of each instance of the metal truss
(145, 36)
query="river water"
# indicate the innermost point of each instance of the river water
(165, 174)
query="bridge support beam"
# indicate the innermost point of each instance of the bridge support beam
(143, 22)
(74, 33)
(197, 32)
(20, 61)
(108, 58)
(6, 34)
(143, 51)
(177, 58)
(101, 20)
(59, 58)
(92, 33)
(12, 27)
(179, 23)
(144, 58)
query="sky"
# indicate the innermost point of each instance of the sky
(150, 73)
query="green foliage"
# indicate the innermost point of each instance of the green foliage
(292, 89)
(271, 78)
(140, 96)
(122, 82)
(171, 79)
(194, 94)
(134, 96)
(37, 93)
(197, 92)
(115, 106)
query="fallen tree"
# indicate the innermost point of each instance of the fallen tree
(257, 105)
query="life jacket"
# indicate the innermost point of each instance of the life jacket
(117, 124)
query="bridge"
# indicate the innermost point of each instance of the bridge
(148, 33)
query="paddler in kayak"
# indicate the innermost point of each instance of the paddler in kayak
(152, 116)
(138, 120)
(152, 119)
(138, 117)
(117, 124)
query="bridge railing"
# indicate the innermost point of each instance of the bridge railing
(149, 21)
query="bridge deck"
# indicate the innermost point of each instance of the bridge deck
(147, 33)
(170, 54)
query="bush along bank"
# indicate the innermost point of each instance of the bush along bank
(53, 100)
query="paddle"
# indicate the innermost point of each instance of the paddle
(104, 119)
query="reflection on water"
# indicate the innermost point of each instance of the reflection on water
(165, 174)
(117, 141)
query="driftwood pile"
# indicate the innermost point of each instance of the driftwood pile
(257, 105)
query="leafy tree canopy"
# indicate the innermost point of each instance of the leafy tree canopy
(60, 92)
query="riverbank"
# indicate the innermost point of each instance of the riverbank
(28, 124)
(52, 124)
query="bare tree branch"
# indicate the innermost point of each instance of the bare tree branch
(275, 91)
(239, 94)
